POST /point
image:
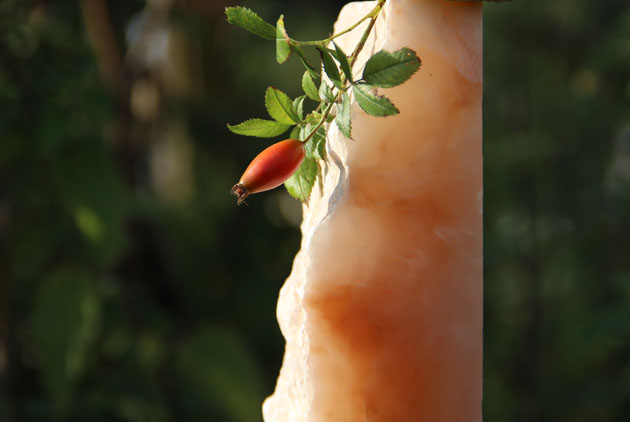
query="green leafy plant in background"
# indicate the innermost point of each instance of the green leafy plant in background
(330, 88)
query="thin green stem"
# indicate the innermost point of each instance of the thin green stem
(320, 123)
(359, 47)
(373, 13)
(355, 54)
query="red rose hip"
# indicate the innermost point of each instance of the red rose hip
(270, 168)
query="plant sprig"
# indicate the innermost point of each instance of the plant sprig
(330, 88)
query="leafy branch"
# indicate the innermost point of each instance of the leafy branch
(330, 85)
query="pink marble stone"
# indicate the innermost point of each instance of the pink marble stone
(382, 312)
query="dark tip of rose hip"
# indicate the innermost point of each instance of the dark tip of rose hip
(240, 192)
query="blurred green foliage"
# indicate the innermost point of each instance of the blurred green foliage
(557, 202)
(131, 286)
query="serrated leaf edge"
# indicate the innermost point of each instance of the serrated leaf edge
(269, 26)
(273, 93)
(358, 89)
(391, 85)
(273, 122)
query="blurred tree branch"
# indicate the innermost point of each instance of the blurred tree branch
(113, 73)
(109, 59)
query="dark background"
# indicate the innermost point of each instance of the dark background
(132, 288)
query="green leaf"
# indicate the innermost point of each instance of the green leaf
(385, 69)
(64, 321)
(376, 105)
(330, 67)
(319, 141)
(316, 146)
(259, 128)
(343, 116)
(250, 21)
(301, 183)
(283, 48)
(295, 133)
(309, 87)
(314, 117)
(304, 132)
(280, 107)
(298, 106)
(325, 94)
(343, 61)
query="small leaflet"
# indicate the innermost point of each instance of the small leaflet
(325, 93)
(330, 67)
(280, 107)
(371, 103)
(316, 146)
(260, 128)
(309, 87)
(283, 48)
(343, 116)
(343, 62)
(386, 70)
(250, 21)
(300, 184)
(298, 107)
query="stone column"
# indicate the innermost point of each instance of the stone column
(382, 312)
